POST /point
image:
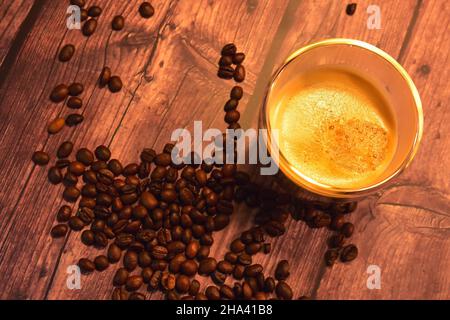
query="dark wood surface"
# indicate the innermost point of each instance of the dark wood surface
(168, 65)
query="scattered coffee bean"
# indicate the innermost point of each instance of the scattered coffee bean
(207, 266)
(212, 293)
(75, 89)
(105, 76)
(238, 58)
(347, 229)
(239, 73)
(331, 256)
(74, 119)
(64, 214)
(236, 93)
(350, 9)
(146, 10)
(89, 27)
(59, 231)
(283, 291)
(71, 194)
(226, 72)
(94, 11)
(102, 153)
(134, 282)
(86, 265)
(66, 53)
(40, 158)
(74, 103)
(79, 3)
(229, 50)
(349, 253)
(225, 61)
(101, 263)
(64, 150)
(56, 125)
(55, 175)
(118, 23)
(114, 253)
(282, 270)
(115, 84)
(182, 283)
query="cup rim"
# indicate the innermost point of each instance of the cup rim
(316, 187)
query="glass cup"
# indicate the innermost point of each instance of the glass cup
(385, 73)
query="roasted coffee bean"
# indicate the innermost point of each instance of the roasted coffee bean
(225, 267)
(225, 61)
(282, 270)
(192, 249)
(87, 237)
(349, 253)
(336, 241)
(238, 272)
(159, 252)
(74, 119)
(226, 72)
(101, 263)
(62, 163)
(136, 296)
(212, 293)
(337, 221)
(123, 240)
(168, 281)
(59, 93)
(64, 150)
(147, 274)
(239, 73)
(253, 270)
(40, 158)
(351, 9)
(155, 280)
(83, 15)
(101, 240)
(144, 259)
(182, 283)
(189, 267)
(115, 84)
(64, 214)
(237, 246)
(236, 93)
(231, 257)
(115, 167)
(269, 285)
(283, 291)
(148, 200)
(134, 283)
(94, 11)
(229, 50)
(130, 260)
(56, 125)
(59, 231)
(203, 253)
(70, 179)
(66, 53)
(71, 194)
(86, 265)
(75, 89)
(347, 229)
(245, 259)
(331, 256)
(226, 292)
(274, 228)
(232, 116)
(85, 156)
(105, 76)
(346, 207)
(119, 294)
(79, 3)
(238, 58)
(148, 155)
(99, 165)
(74, 103)
(207, 266)
(146, 10)
(120, 277)
(130, 170)
(266, 248)
(77, 168)
(231, 104)
(118, 23)
(102, 153)
(253, 248)
(75, 223)
(89, 27)
(247, 291)
(114, 253)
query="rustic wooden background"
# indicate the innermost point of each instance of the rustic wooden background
(168, 64)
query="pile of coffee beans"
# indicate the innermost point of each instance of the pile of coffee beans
(157, 218)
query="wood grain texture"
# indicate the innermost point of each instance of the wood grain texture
(168, 66)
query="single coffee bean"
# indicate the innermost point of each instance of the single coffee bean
(229, 50)
(102, 153)
(226, 292)
(347, 229)
(64, 150)
(269, 285)
(337, 221)
(155, 280)
(79, 3)
(74, 103)
(115, 84)
(120, 277)
(351, 9)
(101, 240)
(212, 293)
(148, 200)
(55, 175)
(146, 274)
(83, 15)
(87, 237)
(253, 270)
(238, 58)
(74, 119)
(59, 93)
(225, 61)
(130, 260)
(134, 283)
(192, 249)
(159, 252)
(144, 259)
(349, 253)
(136, 296)
(226, 72)
(40, 158)
(114, 253)
(89, 27)
(344, 208)
(66, 53)
(64, 214)
(168, 281)
(182, 283)
(207, 266)
(282, 270)
(203, 253)
(105, 76)
(62, 163)
(71, 194)
(232, 116)
(253, 248)
(239, 73)
(86, 265)
(76, 168)
(194, 288)
(189, 267)
(59, 231)
(236, 93)
(331, 256)
(283, 291)
(85, 156)
(118, 23)
(237, 246)
(231, 105)
(238, 272)
(245, 259)
(56, 125)
(119, 294)
(75, 89)
(146, 10)
(147, 155)
(94, 11)
(101, 263)
(225, 267)
(247, 291)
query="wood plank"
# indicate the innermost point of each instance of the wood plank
(13, 14)
(405, 229)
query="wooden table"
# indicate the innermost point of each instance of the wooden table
(168, 65)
